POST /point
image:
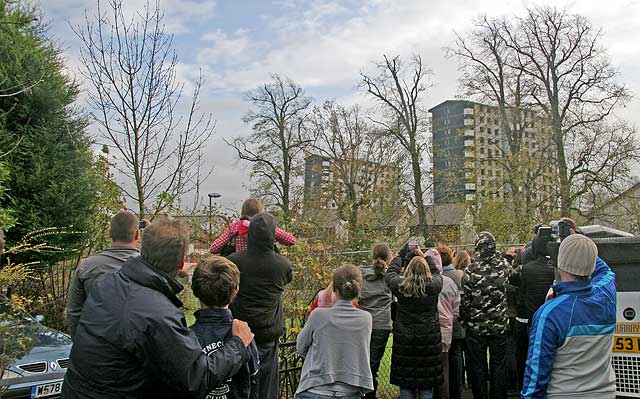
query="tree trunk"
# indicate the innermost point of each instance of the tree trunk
(286, 163)
(141, 199)
(565, 185)
(417, 193)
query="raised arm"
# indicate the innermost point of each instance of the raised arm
(393, 277)
(602, 274)
(285, 238)
(222, 240)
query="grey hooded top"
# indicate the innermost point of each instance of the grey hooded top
(375, 298)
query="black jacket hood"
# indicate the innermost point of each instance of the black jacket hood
(262, 232)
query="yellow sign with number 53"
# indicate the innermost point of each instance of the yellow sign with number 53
(626, 344)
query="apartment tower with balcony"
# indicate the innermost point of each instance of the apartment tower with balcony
(468, 147)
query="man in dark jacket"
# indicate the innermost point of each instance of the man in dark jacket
(132, 340)
(533, 281)
(483, 311)
(125, 236)
(263, 277)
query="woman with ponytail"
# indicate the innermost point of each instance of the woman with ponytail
(416, 360)
(376, 299)
(334, 344)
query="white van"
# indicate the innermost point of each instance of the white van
(621, 251)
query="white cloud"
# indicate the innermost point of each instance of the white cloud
(225, 50)
(179, 15)
(332, 53)
(324, 44)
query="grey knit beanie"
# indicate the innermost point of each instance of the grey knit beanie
(577, 255)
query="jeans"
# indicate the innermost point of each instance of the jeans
(378, 345)
(311, 395)
(480, 373)
(456, 369)
(415, 393)
(268, 377)
(522, 349)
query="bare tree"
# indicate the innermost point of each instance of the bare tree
(273, 148)
(399, 91)
(599, 159)
(361, 160)
(569, 78)
(491, 74)
(135, 97)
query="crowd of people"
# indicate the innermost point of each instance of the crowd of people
(499, 321)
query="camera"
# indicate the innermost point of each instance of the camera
(409, 249)
(142, 224)
(553, 234)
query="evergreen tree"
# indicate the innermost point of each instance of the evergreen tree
(52, 179)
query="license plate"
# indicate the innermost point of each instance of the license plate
(626, 344)
(44, 390)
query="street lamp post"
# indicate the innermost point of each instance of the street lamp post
(211, 197)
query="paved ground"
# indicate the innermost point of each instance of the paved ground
(468, 395)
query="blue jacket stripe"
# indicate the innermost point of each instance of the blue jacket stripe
(602, 275)
(535, 354)
(591, 330)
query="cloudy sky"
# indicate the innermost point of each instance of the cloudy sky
(323, 45)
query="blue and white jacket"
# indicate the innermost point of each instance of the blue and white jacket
(571, 340)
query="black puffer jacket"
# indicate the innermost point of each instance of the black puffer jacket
(416, 360)
(533, 281)
(132, 342)
(263, 277)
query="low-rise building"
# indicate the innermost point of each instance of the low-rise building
(449, 224)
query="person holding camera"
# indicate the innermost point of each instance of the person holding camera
(532, 280)
(416, 358)
(483, 311)
(571, 334)
(376, 299)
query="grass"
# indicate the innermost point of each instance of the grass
(385, 389)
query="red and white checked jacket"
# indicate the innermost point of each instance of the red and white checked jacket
(231, 232)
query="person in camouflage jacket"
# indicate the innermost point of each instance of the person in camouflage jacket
(483, 312)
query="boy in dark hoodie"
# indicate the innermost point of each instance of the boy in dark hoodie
(215, 283)
(264, 275)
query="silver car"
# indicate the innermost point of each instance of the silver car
(39, 373)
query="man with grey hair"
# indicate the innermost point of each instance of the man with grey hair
(572, 333)
(132, 340)
(125, 236)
